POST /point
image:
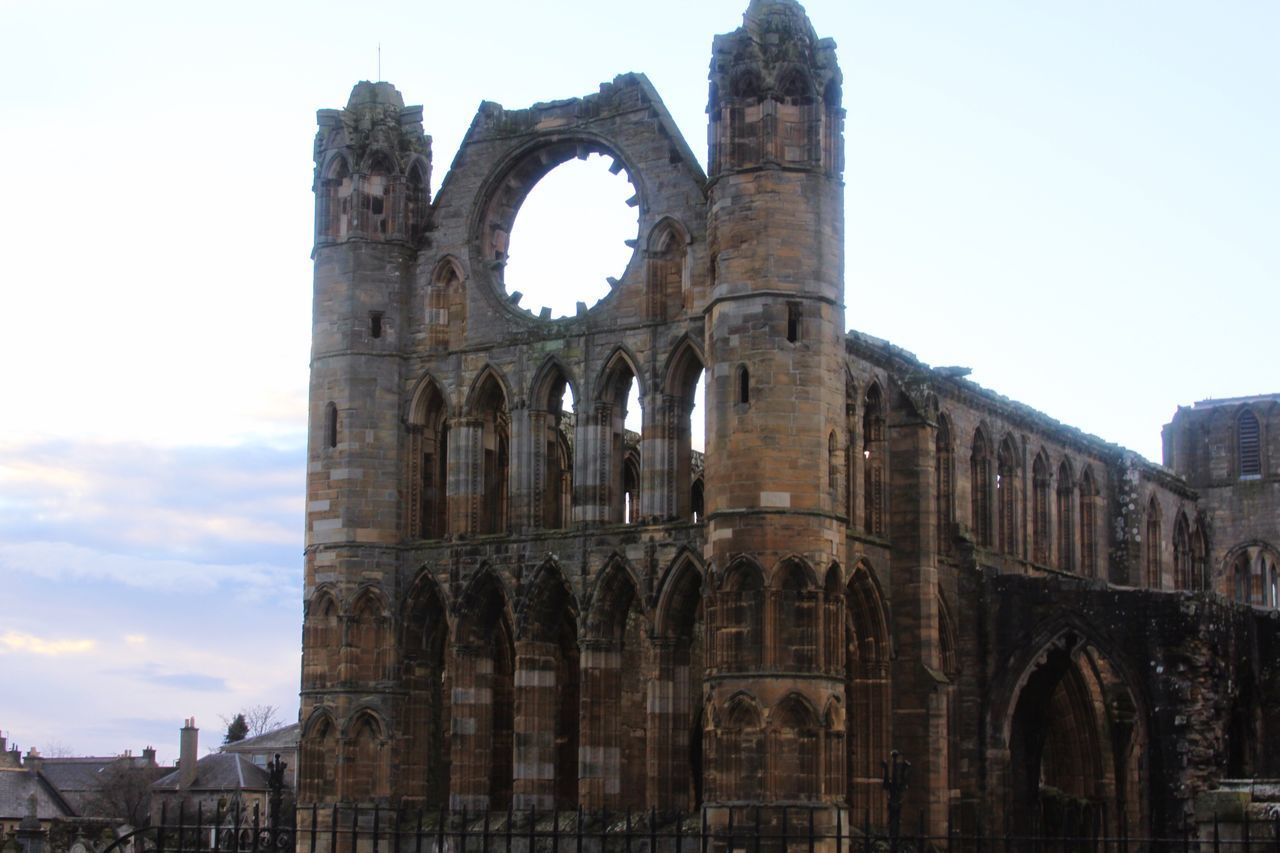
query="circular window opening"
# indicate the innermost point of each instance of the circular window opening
(570, 236)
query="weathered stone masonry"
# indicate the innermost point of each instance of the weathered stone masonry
(509, 605)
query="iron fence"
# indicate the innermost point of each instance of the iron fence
(747, 829)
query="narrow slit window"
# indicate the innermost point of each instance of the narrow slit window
(1249, 442)
(793, 321)
(331, 425)
(375, 324)
(744, 385)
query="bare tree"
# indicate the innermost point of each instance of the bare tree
(259, 718)
(124, 792)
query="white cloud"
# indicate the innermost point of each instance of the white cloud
(16, 641)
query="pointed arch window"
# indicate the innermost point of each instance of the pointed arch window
(1040, 490)
(1182, 564)
(1007, 496)
(1088, 524)
(1066, 517)
(1153, 544)
(944, 484)
(980, 486)
(874, 453)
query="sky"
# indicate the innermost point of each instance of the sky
(1077, 200)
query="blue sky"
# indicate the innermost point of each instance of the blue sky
(1077, 200)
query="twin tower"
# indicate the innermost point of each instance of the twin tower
(511, 604)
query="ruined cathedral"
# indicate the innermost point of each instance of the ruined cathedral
(509, 604)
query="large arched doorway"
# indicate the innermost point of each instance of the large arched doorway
(1076, 747)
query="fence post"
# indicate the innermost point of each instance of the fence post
(257, 825)
(920, 833)
(757, 832)
(1217, 842)
(417, 836)
(510, 820)
(811, 838)
(786, 829)
(1248, 832)
(533, 820)
(679, 833)
(399, 822)
(333, 829)
(164, 813)
(627, 845)
(866, 831)
(377, 824)
(653, 829)
(578, 824)
(484, 832)
(839, 830)
(439, 833)
(355, 828)
(702, 822)
(199, 823)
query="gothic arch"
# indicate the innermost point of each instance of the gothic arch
(486, 380)
(783, 570)
(552, 459)
(739, 747)
(676, 725)
(981, 487)
(322, 638)
(427, 474)
(367, 753)
(318, 757)
(1070, 719)
(424, 642)
(667, 270)
(548, 668)
(679, 597)
(875, 466)
(868, 693)
(370, 637)
(1008, 496)
(447, 272)
(482, 670)
(616, 668)
(379, 160)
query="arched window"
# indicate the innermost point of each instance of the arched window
(1066, 518)
(980, 484)
(1088, 524)
(793, 751)
(368, 758)
(1242, 579)
(319, 761)
(489, 412)
(1007, 468)
(744, 385)
(334, 214)
(797, 620)
(1153, 543)
(874, 466)
(550, 418)
(1200, 558)
(739, 750)
(666, 271)
(944, 484)
(369, 640)
(428, 459)
(1040, 490)
(1182, 578)
(322, 641)
(1249, 444)
(740, 634)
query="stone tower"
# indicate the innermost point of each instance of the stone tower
(373, 167)
(775, 413)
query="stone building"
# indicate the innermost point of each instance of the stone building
(508, 605)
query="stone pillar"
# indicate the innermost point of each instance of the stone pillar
(471, 727)
(920, 689)
(600, 753)
(535, 726)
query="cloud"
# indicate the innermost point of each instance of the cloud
(202, 504)
(20, 642)
(64, 562)
(188, 681)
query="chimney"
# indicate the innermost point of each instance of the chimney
(32, 761)
(188, 750)
(149, 756)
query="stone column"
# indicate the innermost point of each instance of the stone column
(535, 726)
(919, 687)
(471, 727)
(599, 754)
